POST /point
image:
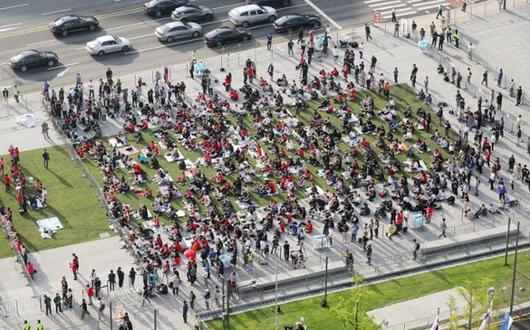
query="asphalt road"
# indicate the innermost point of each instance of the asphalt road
(24, 25)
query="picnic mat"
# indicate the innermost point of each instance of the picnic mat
(127, 151)
(28, 120)
(49, 226)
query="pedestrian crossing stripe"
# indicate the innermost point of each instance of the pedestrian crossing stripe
(390, 7)
(405, 13)
(403, 8)
(384, 3)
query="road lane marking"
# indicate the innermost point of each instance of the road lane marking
(384, 3)
(56, 12)
(15, 6)
(63, 66)
(62, 73)
(214, 22)
(404, 13)
(163, 46)
(41, 42)
(135, 24)
(390, 7)
(142, 36)
(323, 14)
(9, 25)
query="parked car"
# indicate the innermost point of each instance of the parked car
(163, 7)
(32, 58)
(192, 14)
(108, 44)
(272, 3)
(251, 14)
(73, 23)
(177, 30)
(226, 35)
(291, 23)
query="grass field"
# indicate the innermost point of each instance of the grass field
(390, 292)
(70, 198)
(402, 95)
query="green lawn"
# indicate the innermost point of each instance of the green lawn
(390, 292)
(70, 198)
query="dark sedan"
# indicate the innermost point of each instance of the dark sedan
(270, 3)
(226, 35)
(192, 14)
(163, 7)
(291, 23)
(32, 58)
(73, 23)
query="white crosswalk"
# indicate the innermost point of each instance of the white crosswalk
(404, 8)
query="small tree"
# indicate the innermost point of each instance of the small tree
(476, 296)
(453, 318)
(351, 311)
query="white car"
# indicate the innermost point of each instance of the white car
(176, 30)
(252, 14)
(108, 44)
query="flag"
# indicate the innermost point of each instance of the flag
(507, 321)
(487, 316)
(435, 323)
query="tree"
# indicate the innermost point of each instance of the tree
(351, 312)
(476, 296)
(453, 318)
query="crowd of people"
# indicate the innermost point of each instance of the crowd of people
(250, 143)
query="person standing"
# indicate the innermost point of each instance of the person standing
(5, 94)
(415, 249)
(176, 283)
(270, 71)
(48, 304)
(470, 49)
(112, 280)
(39, 325)
(369, 251)
(426, 84)
(132, 277)
(192, 299)
(16, 93)
(45, 158)
(499, 77)
(519, 96)
(394, 18)
(269, 41)
(185, 311)
(121, 276)
(485, 78)
(207, 299)
(396, 73)
(443, 227)
(89, 293)
(57, 301)
(286, 249)
(290, 46)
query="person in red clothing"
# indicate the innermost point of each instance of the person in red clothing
(233, 95)
(7, 182)
(31, 269)
(228, 81)
(89, 293)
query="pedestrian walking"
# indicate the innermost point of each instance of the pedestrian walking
(16, 93)
(394, 18)
(396, 74)
(84, 309)
(440, 12)
(396, 30)
(145, 296)
(470, 49)
(426, 85)
(270, 71)
(185, 311)
(269, 41)
(485, 78)
(192, 299)
(207, 296)
(369, 251)
(499, 77)
(100, 306)
(90, 293)
(519, 96)
(443, 227)
(45, 128)
(5, 95)
(45, 158)
(290, 46)
(367, 32)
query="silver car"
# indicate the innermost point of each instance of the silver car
(252, 14)
(108, 44)
(177, 30)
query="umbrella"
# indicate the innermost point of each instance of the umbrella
(423, 44)
(190, 254)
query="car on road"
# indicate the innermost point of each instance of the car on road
(192, 14)
(226, 35)
(65, 25)
(163, 7)
(292, 23)
(108, 44)
(177, 30)
(32, 58)
(272, 3)
(251, 14)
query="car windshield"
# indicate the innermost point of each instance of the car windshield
(117, 39)
(62, 20)
(166, 27)
(284, 19)
(152, 3)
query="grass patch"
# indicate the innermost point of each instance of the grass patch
(391, 292)
(70, 198)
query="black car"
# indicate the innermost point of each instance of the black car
(270, 3)
(163, 7)
(192, 14)
(291, 23)
(226, 35)
(73, 23)
(33, 58)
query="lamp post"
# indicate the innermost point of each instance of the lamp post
(324, 303)
(514, 267)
